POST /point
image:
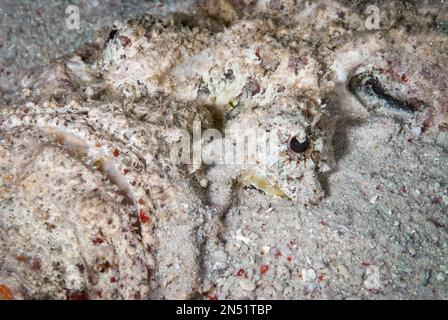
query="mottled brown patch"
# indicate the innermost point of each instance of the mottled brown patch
(5, 293)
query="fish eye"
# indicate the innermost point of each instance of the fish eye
(296, 146)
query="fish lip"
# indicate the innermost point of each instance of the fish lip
(370, 92)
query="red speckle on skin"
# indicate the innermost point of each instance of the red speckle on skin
(410, 140)
(277, 253)
(116, 153)
(242, 273)
(125, 171)
(404, 78)
(264, 269)
(141, 202)
(212, 297)
(113, 280)
(97, 145)
(289, 258)
(125, 41)
(97, 241)
(292, 243)
(365, 264)
(404, 189)
(321, 277)
(143, 216)
(378, 187)
(323, 223)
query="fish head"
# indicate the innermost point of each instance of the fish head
(290, 163)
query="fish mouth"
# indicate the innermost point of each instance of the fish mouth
(372, 93)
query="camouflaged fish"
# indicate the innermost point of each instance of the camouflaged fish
(97, 174)
(92, 204)
(87, 156)
(249, 78)
(282, 150)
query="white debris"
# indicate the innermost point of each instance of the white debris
(247, 284)
(266, 249)
(203, 183)
(242, 238)
(220, 258)
(416, 131)
(373, 199)
(440, 277)
(308, 275)
(372, 278)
